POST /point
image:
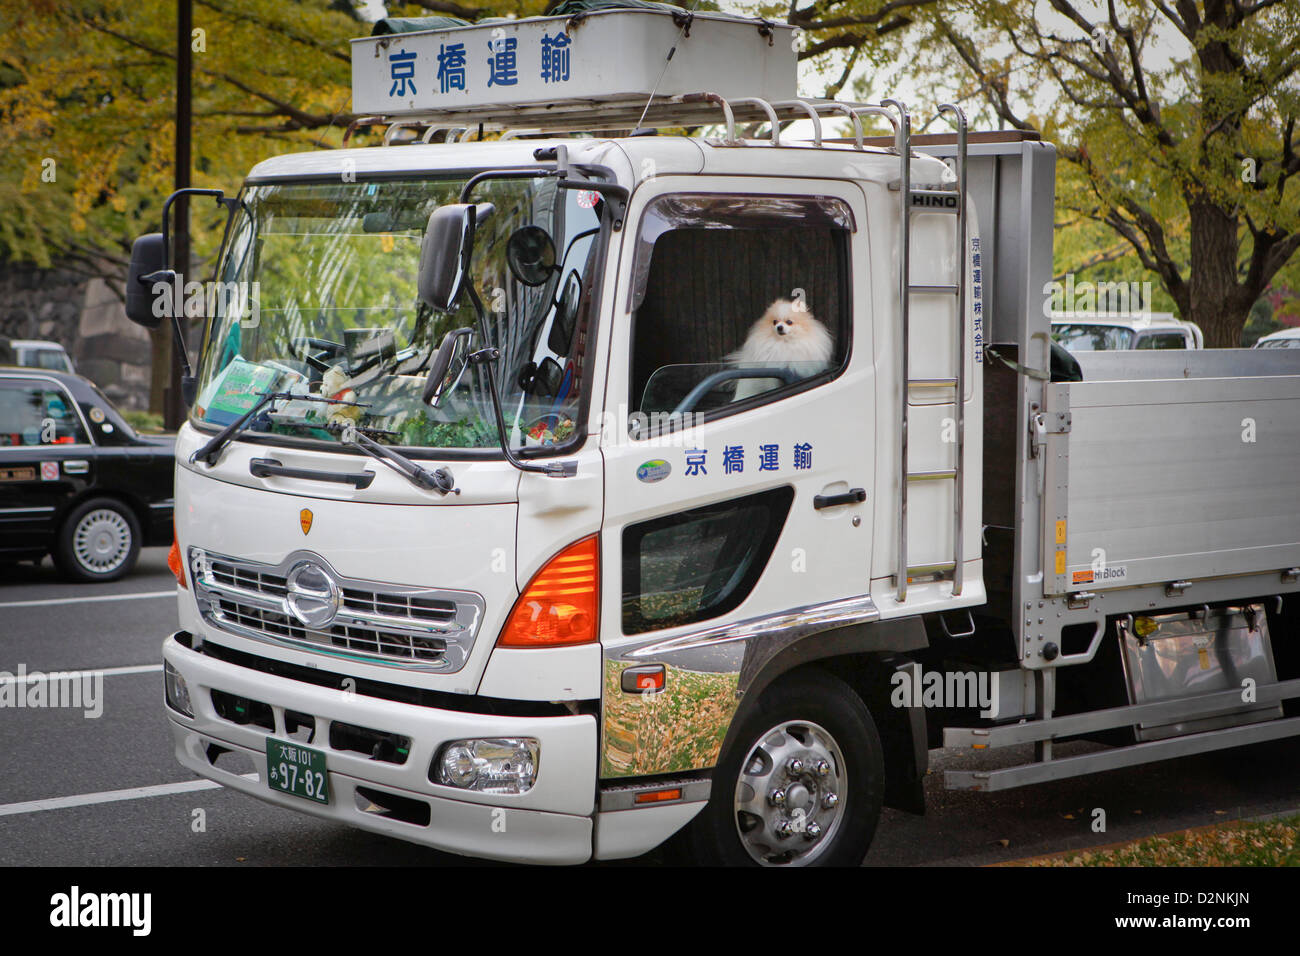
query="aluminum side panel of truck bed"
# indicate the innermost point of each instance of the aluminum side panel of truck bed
(1163, 480)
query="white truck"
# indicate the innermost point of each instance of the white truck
(505, 526)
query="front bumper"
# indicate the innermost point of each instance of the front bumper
(550, 823)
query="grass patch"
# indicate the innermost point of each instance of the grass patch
(144, 422)
(1266, 843)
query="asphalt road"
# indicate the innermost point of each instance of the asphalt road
(54, 754)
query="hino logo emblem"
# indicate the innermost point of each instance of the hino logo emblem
(932, 201)
(312, 594)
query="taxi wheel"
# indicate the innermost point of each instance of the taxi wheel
(98, 541)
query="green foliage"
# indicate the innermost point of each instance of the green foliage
(1178, 129)
(468, 433)
(88, 92)
(1259, 323)
(145, 422)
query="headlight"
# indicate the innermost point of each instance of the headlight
(488, 765)
(178, 692)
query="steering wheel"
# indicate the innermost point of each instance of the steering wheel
(787, 376)
(327, 348)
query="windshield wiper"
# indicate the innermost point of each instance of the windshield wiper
(210, 452)
(439, 480)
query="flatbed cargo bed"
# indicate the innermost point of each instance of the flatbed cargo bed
(1172, 476)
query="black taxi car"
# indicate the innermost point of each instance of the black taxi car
(76, 481)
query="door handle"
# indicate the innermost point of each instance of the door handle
(268, 467)
(76, 466)
(850, 497)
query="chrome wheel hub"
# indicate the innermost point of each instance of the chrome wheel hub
(790, 795)
(101, 541)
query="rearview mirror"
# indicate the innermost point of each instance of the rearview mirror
(530, 254)
(448, 365)
(148, 262)
(547, 379)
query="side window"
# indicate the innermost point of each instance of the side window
(1163, 340)
(34, 413)
(738, 300)
(698, 564)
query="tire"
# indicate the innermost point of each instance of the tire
(810, 716)
(98, 541)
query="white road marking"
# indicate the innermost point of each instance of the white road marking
(89, 600)
(31, 678)
(110, 796)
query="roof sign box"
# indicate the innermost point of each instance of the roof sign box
(601, 57)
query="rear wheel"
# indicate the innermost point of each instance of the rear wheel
(98, 541)
(800, 785)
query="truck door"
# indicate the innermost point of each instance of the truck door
(738, 476)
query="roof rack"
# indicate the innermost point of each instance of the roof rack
(684, 110)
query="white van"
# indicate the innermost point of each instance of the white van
(32, 353)
(1097, 332)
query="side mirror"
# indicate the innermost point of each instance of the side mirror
(148, 259)
(444, 255)
(448, 365)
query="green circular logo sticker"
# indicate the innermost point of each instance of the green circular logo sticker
(654, 470)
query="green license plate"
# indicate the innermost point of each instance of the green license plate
(298, 770)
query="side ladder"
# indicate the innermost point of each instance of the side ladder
(912, 201)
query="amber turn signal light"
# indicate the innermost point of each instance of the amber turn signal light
(559, 606)
(175, 563)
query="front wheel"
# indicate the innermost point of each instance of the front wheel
(800, 785)
(98, 541)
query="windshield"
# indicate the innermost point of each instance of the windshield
(317, 296)
(53, 360)
(1292, 342)
(1092, 338)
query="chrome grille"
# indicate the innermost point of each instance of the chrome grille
(422, 628)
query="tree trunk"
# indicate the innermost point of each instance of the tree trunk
(1217, 303)
(160, 370)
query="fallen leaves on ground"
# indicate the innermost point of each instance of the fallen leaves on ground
(1266, 843)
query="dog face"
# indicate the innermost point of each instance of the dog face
(791, 330)
(783, 319)
(788, 336)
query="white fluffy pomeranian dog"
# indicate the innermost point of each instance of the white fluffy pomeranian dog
(787, 336)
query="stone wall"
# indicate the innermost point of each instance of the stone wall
(87, 319)
(111, 350)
